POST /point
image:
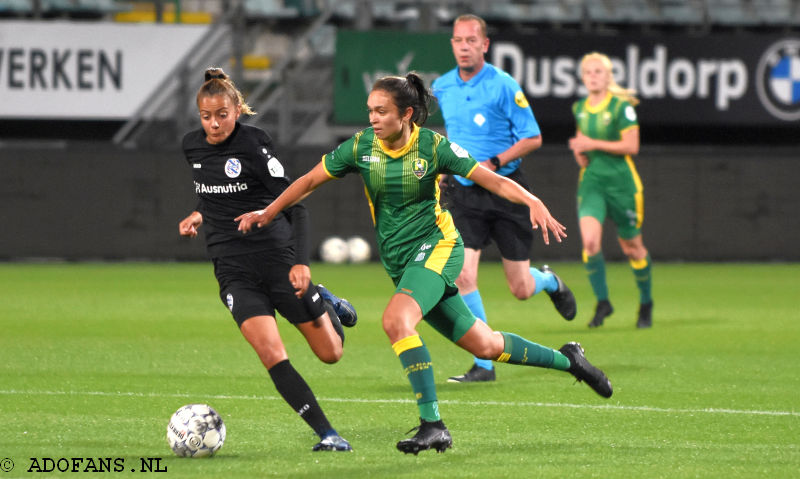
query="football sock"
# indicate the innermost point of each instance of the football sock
(642, 273)
(295, 391)
(596, 268)
(475, 305)
(544, 281)
(518, 350)
(416, 361)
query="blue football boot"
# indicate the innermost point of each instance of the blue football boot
(344, 309)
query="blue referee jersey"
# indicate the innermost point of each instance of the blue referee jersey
(485, 115)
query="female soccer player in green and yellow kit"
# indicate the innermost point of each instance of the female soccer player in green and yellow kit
(400, 164)
(607, 137)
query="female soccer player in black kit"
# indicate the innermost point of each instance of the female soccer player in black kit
(235, 170)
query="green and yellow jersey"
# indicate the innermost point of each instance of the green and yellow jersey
(610, 184)
(605, 121)
(402, 187)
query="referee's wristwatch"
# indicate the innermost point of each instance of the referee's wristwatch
(495, 161)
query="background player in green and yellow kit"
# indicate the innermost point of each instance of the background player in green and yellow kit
(607, 137)
(400, 164)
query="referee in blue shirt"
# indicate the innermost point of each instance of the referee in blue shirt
(486, 112)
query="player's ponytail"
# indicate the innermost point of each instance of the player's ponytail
(627, 94)
(423, 98)
(408, 92)
(217, 82)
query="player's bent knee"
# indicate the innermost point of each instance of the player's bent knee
(466, 282)
(488, 351)
(521, 292)
(591, 247)
(329, 352)
(634, 252)
(393, 327)
(488, 346)
(330, 357)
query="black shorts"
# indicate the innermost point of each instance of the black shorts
(481, 216)
(257, 284)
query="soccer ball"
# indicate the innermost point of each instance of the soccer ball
(195, 430)
(358, 249)
(333, 250)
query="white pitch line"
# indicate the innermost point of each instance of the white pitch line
(610, 407)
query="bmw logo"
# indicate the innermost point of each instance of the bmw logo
(778, 79)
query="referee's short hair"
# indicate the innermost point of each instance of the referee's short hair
(470, 17)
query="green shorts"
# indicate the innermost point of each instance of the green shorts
(625, 206)
(430, 279)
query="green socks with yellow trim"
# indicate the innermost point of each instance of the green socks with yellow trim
(416, 361)
(644, 279)
(596, 269)
(518, 350)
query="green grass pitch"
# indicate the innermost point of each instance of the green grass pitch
(94, 358)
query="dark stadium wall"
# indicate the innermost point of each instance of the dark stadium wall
(90, 202)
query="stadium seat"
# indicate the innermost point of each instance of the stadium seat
(681, 13)
(734, 13)
(145, 12)
(57, 6)
(557, 11)
(774, 12)
(623, 11)
(15, 7)
(102, 7)
(269, 9)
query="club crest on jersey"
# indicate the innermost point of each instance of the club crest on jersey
(233, 167)
(419, 167)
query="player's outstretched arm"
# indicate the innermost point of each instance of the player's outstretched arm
(295, 193)
(513, 192)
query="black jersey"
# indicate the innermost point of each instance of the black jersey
(234, 177)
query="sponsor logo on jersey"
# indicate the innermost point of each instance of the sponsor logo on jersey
(479, 119)
(425, 247)
(778, 79)
(275, 167)
(196, 166)
(229, 299)
(219, 189)
(419, 167)
(233, 167)
(520, 100)
(370, 159)
(630, 113)
(460, 152)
